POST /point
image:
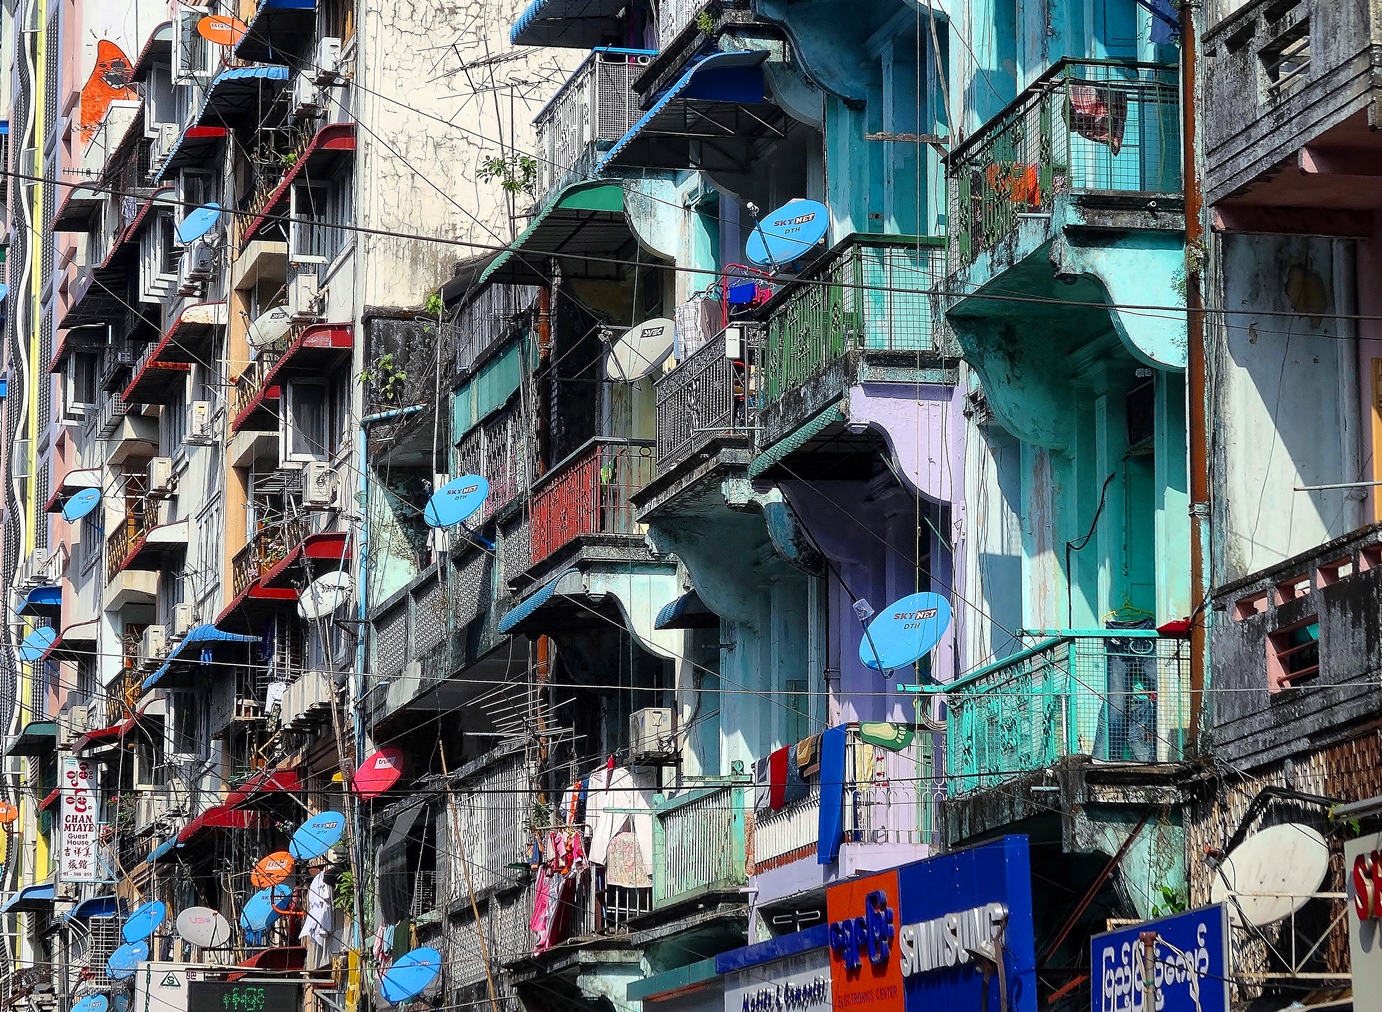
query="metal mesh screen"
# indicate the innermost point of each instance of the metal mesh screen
(391, 640)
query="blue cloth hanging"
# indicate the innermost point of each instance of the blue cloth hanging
(832, 821)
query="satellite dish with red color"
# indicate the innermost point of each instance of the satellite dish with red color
(378, 772)
(221, 29)
(272, 870)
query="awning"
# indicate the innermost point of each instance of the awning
(108, 737)
(709, 119)
(71, 483)
(538, 598)
(599, 592)
(88, 339)
(237, 95)
(39, 737)
(30, 899)
(163, 850)
(97, 906)
(687, 612)
(330, 143)
(584, 225)
(49, 800)
(281, 957)
(779, 451)
(277, 31)
(220, 817)
(264, 786)
(577, 24)
(207, 637)
(314, 351)
(194, 146)
(75, 642)
(77, 210)
(190, 337)
(41, 601)
(159, 47)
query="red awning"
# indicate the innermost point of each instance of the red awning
(330, 142)
(284, 957)
(315, 350)
(50, 800)
(263, 786)
(328, 546)
(106, 735)
(220, 817)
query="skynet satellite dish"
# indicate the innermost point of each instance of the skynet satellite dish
(411, 974)
(126, 959)
(221, 29)
(36, 643)
(269, 326)
(147, 919)
(904, 632)
(203, 927)
(456, 501)
(92, 1003)
(81, 504)
(316, 836)
(198, 223)
(1271, 874)
(325, 595)
(641, 350)
(787, 234)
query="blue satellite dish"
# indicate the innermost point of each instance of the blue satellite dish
(456, 501)
(81, 504)
(36, 643)
(788, 234)
(198, 223)
(410, 975)
(147, 919)
(122, 1002)
(905, 631)
(4, 290)
(259, 913)
(92, 1003)
(126, 959)
(317, 835)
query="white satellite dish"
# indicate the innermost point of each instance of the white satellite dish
(269, 326)
(325, 594)
(203, 927)
(641, 350)
(1271, 874)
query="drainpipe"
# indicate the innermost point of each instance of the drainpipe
(1195, 380)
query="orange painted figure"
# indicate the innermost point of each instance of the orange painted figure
(109, 82)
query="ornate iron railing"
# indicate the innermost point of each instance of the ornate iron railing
(269, 546)
(1083, 125)
(870, 293)
(141, 516)
(1120, 696)
(708, 396)
(590, 493)
(698, 845)
(499, 450)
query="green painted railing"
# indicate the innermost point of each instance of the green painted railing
(1121, 696)
(698, 845)
(870, 293)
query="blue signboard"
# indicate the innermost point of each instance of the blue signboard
(1190, 972)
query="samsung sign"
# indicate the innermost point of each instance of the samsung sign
(1189, 971)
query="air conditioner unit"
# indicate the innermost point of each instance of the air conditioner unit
(302, 295)
(328, 60)
(650, 732)
(72, 725)
(195, 268)
(165, 139)
(161, 476)
(183, 619)
(307, 699)
(199, 426)
(149, 809)
(307, 97)
(152, 645)
(318, 485)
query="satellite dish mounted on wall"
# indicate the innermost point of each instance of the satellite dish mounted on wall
(411, 974)
(641, 350)
(325, 595)
(272, 870)
(904, 632)
(126, 959)
(36, 643)
(379, 772)
(787, 234)
(92, 1003)
(456, 502)
(269, 326)
(81, 504)
(1271, 874)
(203, 927)
(198, 223)
(221, 29)
(145, 920)
(317, 835)
(261, 910)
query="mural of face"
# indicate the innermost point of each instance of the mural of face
(109, 82)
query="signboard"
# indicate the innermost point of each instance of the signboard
(924, 936)
(79, 830)
(243, 996)
(1363, 870)
(1190, 968)
(799, 983)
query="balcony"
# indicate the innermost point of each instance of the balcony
(144, 540)
(1084, 127)
(251, 390)
(489, 831)
(1114, 696)
(1289, 89)
(499, 450)
(708, 398)
(315, 159)
(863, 311)
(698, 845)
(315, 350)
(278, 560)
(595, 107)
(588, 494)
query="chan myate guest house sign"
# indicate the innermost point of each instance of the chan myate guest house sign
(79, 829)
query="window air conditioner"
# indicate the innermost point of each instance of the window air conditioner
(161, 476)
(182, 619)
(150, 809)
(199, 427)
(152, 645)
(318, 485)
(328, 60)
(165, 139)
(650, 732)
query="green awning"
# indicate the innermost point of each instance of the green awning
(780, 450)
(39, 737)
(584, 227)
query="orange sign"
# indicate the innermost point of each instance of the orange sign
(221, 29)
(864, 964)
(272, 870)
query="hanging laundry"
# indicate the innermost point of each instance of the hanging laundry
(777, 778)
(808, 754)
(320, 920)
(625, 866)
(1097, 112)
(795, 788)
(831, 823)
(762, 787)
(1018, 183)
(864, 758)
(886, 734)
(622, 803)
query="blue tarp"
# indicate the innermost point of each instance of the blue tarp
(204, 636)
(533, 603)
(41, 601)
(32, 897)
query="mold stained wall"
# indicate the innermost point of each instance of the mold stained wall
(1285, 401)
(425, 64)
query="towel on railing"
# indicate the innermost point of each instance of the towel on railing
(1097, 112)
(762, 792)
(808, 754)
(831, 825)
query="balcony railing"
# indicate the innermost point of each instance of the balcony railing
(1083, 125)
(708, 396)
(250, 383)
(140, 518)
(499, 450)
(594, 108)
(674, 15)
(698, 845)
(1119, 696)
(590, 494)
(492, 814)
(270, 546)
(870, 293)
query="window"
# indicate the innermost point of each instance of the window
(315, 419)
(1293, 656)
(1286, 60)
(149, 767)
(191, 52)
(159, 254)
(82, 372)
(188, 734)
(317, 211)
(196, 189)
(169, 252)
(172, 425)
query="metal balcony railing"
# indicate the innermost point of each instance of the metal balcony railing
(589, 493)
(674, 15)
(708, 396)
(113, 412)
(1086, 125)
(698, 845)
(491, 812)
(141, 517)
(500, 450)
(594, 108)
(870, 293)
(269, 546)
(250, 383)
(1119, 696)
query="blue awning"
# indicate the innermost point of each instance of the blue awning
(686, 612)
(539, 597)
(163, 849)
(709, 119)
(204, 636)
(579, 24)
(41, 601)
(30, 899)
(97, 906)
(279, 31)
(237, 94)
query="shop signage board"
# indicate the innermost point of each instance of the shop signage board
(921, 937)
(1363, 872)
(79, 828)
(799, 983)
(1190, 971)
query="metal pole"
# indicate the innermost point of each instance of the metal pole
(1148, 939)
